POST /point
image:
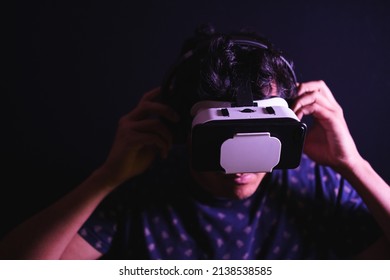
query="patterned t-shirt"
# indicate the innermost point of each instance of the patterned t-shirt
(306, 213)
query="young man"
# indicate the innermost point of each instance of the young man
(146, 201)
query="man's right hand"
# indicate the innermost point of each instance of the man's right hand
(140, 137)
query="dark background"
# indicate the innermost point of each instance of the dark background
(72, 68)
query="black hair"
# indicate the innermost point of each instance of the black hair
(210, 64)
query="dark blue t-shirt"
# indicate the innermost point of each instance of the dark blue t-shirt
(306, 213)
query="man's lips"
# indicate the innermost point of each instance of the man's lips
(242, 178)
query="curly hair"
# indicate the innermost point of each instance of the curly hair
(210, 66)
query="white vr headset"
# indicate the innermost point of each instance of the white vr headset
(258, 138)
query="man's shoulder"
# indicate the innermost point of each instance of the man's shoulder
(309, 170)
(309, 180)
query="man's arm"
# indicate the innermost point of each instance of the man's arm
(52, 233)
(375, 192)
(329, 142)
(80, 249)
(47, 234)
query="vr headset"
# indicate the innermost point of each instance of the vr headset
(258, 138)
(244, 135)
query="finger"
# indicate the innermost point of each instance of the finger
(310, 109)
(153, 109)
(151, 142)
(303, 100)
(152, 127)
(151, 95)
(319, 108)
(130, 130)
(316, 104)
(155, 143)
(314, 86)
(310, 98)
(147, 97)
(310, 87)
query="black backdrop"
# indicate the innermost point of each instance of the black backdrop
(74, 67)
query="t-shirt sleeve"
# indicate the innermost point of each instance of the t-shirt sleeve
(113, 220)
(354, 227)
(100, 228)
(336, 215)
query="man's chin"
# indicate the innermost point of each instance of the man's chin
(238, 185)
